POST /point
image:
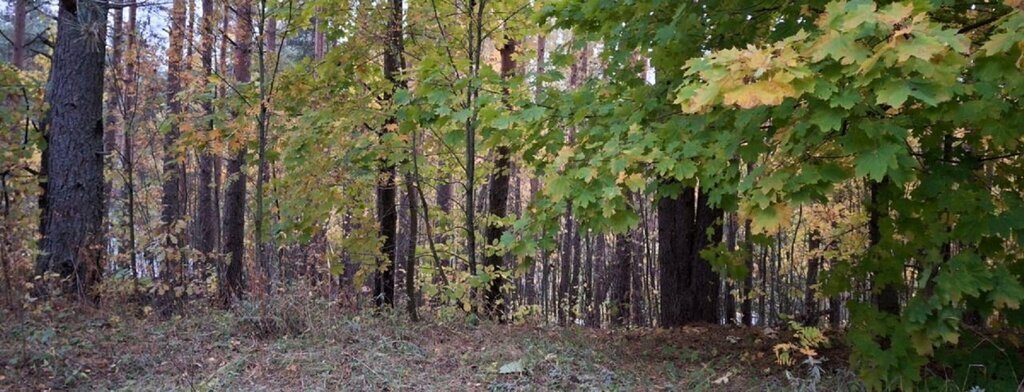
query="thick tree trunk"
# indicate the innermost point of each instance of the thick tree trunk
(689, 286)
(394, 64)
(234, 195)
(72, 243)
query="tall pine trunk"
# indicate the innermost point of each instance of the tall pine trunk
(234, 195)
(387, 218)
(208, 219)
(171, 212)
(72, 244)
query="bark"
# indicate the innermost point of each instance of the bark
(887, 298)
(497, 198)
(234, 195)
(207, 216)
(410, 261)
(394, 64)
(18, 40)
(730, 243)
(171, 213)
(748, 282)
(110, 147)
(689, 286)
(72, 243)
(811, 311)
(620, 291)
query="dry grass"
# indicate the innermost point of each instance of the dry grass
(304, 343)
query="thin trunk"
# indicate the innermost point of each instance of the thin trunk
(498, 196)
(620, 291)
(18, 41)
(207, 216)
(234, 195)
(410, 261)
(811, 312)
(394, 65)
(171, 213)
(730, 243)
(748, 281)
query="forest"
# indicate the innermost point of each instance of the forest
(504, 195)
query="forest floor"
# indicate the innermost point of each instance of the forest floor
(321, 346)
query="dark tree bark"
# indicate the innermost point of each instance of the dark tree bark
(689, 286)
(410, 260)
(208, 219)
(730, 243)
(811, 311)
(234, 195)
(497, 198)
(565, 269)
(887, 298)
(18, 40)
(72, 243)
(748, 282)
(394, 64)
(172, 211)
(620, 277)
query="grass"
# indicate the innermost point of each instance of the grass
(299, 343)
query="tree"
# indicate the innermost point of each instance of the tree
(689, 286)
(387, 217)
(208, 217)
(172, 213)
(72, 244)
(234, 195)
(498, 196)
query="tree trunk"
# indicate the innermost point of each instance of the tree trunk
(730, 243)
(811, 312)
(18, 41)
(394, 64)
(887, 299)
(689, 286)
(497, 198)
(620, 293)
(234, 195)
(207, 216)
(748, 282)
(171, 213)
(72, 243)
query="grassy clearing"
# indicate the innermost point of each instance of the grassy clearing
(310, 344)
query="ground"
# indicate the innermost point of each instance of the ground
(321, 346)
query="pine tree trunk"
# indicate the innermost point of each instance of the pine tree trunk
(384, 275)
(72, 244)
(811, 313)
(620, 290)
(234, 195)
(208, 219)
(171, 212)
(748, 282)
